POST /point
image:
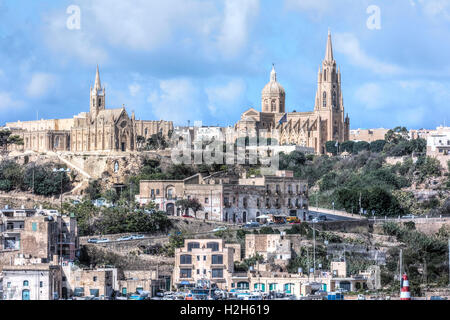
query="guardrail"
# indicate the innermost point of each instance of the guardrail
(416, 220)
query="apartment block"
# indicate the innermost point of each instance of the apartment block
(203, 261)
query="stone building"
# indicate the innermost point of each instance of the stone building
(368, 135)
(31, 236)
(204, 261)
(230, 199)
(309, 129)
(79, 282)
(32, 282)
(271, 246)
(135, 281)
(100, 129)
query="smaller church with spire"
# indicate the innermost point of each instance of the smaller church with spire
(313, 129)
(101, 129)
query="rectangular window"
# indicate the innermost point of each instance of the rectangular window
(198, 271)
(217, 259)
(198, 258)
(204, 258)
(41, 284)
(214, 246)
(185, 273)
(157, 192)
(217, 273)
(206, 200)
(185, 259)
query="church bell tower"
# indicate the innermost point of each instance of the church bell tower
(329, 100)
(97, 97)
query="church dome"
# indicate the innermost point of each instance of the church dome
(273, 87)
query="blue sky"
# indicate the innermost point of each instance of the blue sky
(208, 60)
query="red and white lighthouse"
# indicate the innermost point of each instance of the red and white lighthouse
(405, 294)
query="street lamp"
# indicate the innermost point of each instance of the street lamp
(61, 170)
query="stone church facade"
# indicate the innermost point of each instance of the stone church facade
(308, 129)
(100, 129)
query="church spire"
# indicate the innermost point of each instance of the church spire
(97, 85)
(329, 51)
(273, 74)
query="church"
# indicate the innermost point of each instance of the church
(308, 129)
(99, 130)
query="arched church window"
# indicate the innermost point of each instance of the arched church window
(273, 106)
(116, 167)
(266, 106)
(146, 132)
(334, 98)
(324, 99)
(99, 102)
(324, 75)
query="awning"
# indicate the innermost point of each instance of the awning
(185, 283)
(263, 217)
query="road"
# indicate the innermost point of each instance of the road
(331, 217)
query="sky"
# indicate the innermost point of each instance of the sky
(208, 60)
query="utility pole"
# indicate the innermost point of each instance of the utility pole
(401, 267)
(314, 254)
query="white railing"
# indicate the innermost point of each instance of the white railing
(416, 220)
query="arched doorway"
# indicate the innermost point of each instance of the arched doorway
(206, 216)
(234, 217)
(170, 209)
(244, 217)
(25, 294)
(225, 218)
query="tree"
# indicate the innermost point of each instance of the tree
(186, 204)
(330, 147)
(94, 189)
(140, 140)
(397, 134)
(347, 146)
(46, 182)
(377, 146)
(360, 146)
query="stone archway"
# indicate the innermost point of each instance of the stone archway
(170, 209)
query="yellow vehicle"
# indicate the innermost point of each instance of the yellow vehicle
(293, 220)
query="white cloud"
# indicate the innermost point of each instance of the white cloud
(318, 6)
(348, 44)
(234, 30)
(226, 99)
(371, 95)
(134, 89)
(7, 102)
(40, 85)
(436, 8)
(177, 100)
(199, 26)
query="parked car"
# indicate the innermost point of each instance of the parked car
(315, 220)
(186, 216)
(125, 238)
(92, 240)
(219, 229)
(409, 216)
(361, 297)
(102, 240)
(137, 237)
(323, 218)
(251, 225)
(437, 298)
